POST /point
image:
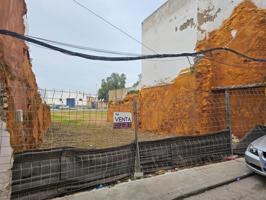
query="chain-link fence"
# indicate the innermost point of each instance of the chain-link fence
(66, 141)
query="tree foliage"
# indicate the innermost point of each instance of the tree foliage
(136, 84)
(115, 81)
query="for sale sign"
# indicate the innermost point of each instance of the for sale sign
(122, 120)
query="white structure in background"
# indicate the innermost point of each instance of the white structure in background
(71, 99)
(117, 95)
(176, 27)
(66, 98)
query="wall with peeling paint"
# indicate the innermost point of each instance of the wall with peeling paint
(211, 14)
(189, 105)
(169, 29)
(176, 27)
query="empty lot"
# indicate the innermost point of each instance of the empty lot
(88, 129)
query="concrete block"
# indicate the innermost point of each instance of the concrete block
(6, 162)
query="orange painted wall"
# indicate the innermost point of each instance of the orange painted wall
(188, 106)
(19, 81)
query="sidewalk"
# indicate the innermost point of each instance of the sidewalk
(170, 185)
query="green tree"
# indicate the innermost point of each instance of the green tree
(115, 81)
(136, 84)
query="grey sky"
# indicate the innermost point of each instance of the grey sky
(62, 20)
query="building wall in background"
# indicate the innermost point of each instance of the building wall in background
(169, 29)
(119, 94)
(188, 106)
(176, 27)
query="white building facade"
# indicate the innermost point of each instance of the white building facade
(176, 27)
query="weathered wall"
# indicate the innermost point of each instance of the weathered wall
(188, 106)
(177, 27)
(19, 81)
(249, 109)
(169, 29)
(117, 94)
(6, 162)
(224, 69)
(211, 14)
(169, 109)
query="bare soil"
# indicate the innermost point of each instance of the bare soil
(88, 130)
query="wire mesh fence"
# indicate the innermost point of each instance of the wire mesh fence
(80, 120)
(248, 116)
(65, 141)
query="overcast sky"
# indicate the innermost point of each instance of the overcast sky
(64, 21)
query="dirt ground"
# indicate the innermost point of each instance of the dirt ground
(88, 129)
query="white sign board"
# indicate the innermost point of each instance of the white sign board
(122, 120)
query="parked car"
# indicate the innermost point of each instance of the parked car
(255, 156)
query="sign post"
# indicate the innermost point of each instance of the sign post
(138, 173)
(123, 120)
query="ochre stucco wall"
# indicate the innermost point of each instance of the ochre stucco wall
(19, 81)
(188, 105)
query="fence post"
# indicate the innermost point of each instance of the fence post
(138, 173)
(228, 118)
(3, 102)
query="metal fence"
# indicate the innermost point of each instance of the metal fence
(64, 141)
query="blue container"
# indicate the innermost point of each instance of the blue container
(94, 105)
(70, 102)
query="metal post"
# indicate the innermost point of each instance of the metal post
(138, 173)
(3, 102)
(228, 118)
(19, 116)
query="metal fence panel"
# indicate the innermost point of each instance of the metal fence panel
(54, 172)
(75, 146)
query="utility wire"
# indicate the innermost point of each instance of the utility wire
(117, 28)
(104, 58)
(94, 49)
(114, 26)
(122, 31)
(84, 47)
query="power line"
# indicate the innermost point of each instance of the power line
(85, 48)
(122, 31)
(95, 49)
(104, 58)
(114, 26)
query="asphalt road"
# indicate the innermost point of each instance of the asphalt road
(251, 188)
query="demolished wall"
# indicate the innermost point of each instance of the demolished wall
(177, 26)
(18, 82)
(188, 105)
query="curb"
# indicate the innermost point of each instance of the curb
(202, 190)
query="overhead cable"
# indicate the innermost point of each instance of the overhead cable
(85, 47)
(111, 24)
(104, 58)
